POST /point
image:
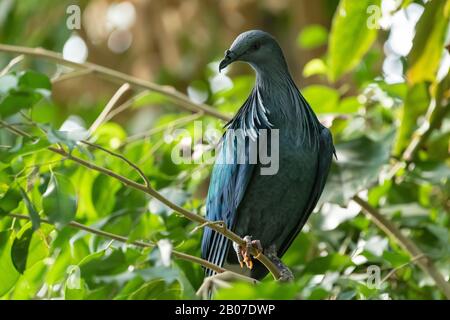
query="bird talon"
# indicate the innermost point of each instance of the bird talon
(243, 251)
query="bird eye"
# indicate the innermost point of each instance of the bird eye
(256, 46)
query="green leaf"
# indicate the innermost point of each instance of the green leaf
(357, 167)
(60, 200)
(34, 215)
(104, 191)
(263, 290)
(312, 36)
(349, 105)
(19, 250)
(351, 35)
(415, 104)
(33, 80)
(331, 262)
(8, 273)
(429, 42)
(321, 98)
(17, 100)
(313, 67)
(23, 146)
(9, 201)
(22, 91)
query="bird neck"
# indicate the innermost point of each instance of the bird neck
(286, 107)
(272, 75)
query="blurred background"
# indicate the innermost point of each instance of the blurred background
(375, 72)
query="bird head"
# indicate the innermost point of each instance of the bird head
(255, 47)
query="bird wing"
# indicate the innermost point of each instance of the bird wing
(325, 156)
(229, 181)
(226, 190)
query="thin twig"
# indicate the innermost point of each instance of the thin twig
(72, 75)
(11, 64)
(208, 224)
(393, 271)
(111, 103)
(130, 163)
(124, 106)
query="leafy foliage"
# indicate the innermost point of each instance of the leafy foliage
(373, 122)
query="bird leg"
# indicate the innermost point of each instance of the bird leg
(285, 273)
(243, 252)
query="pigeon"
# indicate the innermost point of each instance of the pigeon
(265, 202)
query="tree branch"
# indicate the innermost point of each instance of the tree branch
(142, 244)
(391, 230)
(179, 98)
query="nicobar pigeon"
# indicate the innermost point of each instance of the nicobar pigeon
(267, 210)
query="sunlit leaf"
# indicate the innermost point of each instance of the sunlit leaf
(428, 44)
(322, 99)
(416, 103)
(8, 274)
(352, 35)
(312, 37)
(314, 67)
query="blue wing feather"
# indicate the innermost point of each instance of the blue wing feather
(229, 180)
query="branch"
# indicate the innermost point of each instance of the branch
(391, 230)
(111, 103)
(142, 244)
(179, 98)
(71, 75)
(155, 194)
(11, 64)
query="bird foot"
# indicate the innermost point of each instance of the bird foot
(286, 274)
(243, 252)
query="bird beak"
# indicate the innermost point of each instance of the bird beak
(230, 57)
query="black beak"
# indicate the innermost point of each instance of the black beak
(230, 57)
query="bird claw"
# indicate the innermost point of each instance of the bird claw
(243, 252)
